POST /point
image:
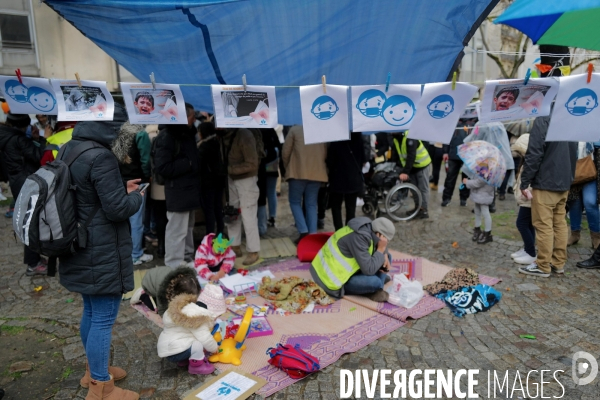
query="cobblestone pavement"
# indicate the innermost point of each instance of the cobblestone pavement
(561, 311)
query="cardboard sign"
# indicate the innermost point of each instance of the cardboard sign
(230, 385)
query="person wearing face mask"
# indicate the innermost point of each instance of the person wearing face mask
(22, 156)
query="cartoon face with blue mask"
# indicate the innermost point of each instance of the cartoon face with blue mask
(441, 106)
(41, 99)
(16, 91)
(582, 102)
(370, 102)
(398, 110)
(324, 108)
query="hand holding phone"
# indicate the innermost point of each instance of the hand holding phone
(142, 188)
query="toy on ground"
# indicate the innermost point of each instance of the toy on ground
(230, 349)
(293, 294)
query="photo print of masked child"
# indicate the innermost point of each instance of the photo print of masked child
(33, 96)
(89, 102)
(249, 107)
(375, 109)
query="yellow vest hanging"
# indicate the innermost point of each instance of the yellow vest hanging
(421, 160)
(334, 269)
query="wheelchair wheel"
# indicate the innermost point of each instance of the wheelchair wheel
(403, 202)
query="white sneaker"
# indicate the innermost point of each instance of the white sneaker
(2, 197)
(518, 253)
(525, 260)
(360, 202)
(143, 259)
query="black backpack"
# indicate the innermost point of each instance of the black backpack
(45, 217)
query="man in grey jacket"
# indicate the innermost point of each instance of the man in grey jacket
(355, 259)
(549, 168)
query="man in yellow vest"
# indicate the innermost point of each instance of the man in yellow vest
(413, 158)
(355, 259)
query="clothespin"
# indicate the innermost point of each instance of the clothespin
(454, 81)
(153, 81)
(527, 76)
(18, 72)
(78, 80)
(244, 81)
(590, 70)
(323, 81)
(387, 82)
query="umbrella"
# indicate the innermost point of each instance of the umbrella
(571, 23)
(484, 160)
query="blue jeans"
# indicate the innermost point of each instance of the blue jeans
(587, 200)
(99, 315)
(184, 355)
(299, 188)
(137, 230)
(262, 220)
(526, 229)
(272, 195)
(365, 284)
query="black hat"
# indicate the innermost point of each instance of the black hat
(18, 120)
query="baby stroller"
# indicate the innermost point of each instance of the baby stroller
(401, 200)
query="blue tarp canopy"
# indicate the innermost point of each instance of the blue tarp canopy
(279, 42)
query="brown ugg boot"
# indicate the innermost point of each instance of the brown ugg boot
(116, 372)
(107, 390)
(574, 238)
(237, 250)
(595, 239)
(250, 259)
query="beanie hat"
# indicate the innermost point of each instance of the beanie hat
(213, 297)
(18, 120)
(385, 227)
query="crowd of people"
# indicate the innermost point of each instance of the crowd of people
(232, 176)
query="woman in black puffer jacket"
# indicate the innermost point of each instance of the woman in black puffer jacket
(103, 270)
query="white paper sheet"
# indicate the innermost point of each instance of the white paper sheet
(324, 115)
(90, 102)
(374, 109)
(33, 96)
(510, 99)
(230, 387)
(163, 104)
(255, 107)
(576, 115)
(439, 109)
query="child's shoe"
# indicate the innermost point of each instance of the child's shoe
(476, 233)
(485, 237)
(200, 367)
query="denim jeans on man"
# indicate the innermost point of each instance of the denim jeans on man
(97, 320)
(272, 196)
(299, 188)
(137, 230)
(364, 284)
(526, 229)
(586, 199)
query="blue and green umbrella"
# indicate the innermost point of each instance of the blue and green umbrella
(573, 23)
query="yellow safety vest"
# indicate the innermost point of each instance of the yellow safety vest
(334, 269)
(422, 159)
(60, 138)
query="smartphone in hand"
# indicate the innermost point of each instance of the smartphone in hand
(142, 188)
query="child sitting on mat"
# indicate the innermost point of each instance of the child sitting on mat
(188, 323)
(214, 257)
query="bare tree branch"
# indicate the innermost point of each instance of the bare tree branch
(584, 62)
(493, 56)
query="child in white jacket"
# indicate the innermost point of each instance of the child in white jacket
(187, 327)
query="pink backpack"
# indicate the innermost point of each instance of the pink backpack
(293, 360)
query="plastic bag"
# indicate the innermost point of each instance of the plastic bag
(404, 293)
